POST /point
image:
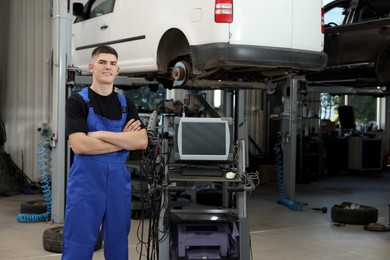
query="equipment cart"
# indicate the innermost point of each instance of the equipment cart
(214, 225)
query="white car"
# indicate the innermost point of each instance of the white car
(203, 42)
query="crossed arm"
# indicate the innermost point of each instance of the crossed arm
(131, 138)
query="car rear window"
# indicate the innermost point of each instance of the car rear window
(368, 12)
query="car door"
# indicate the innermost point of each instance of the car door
(92, 29)
(362, 38)
(336, 13)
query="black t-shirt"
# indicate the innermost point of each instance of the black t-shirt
(105, 106)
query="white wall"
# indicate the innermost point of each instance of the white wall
(4, 47)
(25, 78)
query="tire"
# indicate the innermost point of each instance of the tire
(52, 240)
(34, 207)
(361, 216)
(383, 66)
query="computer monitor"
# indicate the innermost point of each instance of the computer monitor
(200, 139)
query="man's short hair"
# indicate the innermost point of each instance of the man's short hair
(104, 49)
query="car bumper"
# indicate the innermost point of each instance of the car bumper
(209, 56)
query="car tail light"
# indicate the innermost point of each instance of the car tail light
(322, 21)
(223, 12)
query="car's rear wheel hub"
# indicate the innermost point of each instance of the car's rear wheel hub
(180, 73)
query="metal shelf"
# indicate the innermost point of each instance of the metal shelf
(175, 175)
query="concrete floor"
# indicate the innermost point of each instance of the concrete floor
(277, 232)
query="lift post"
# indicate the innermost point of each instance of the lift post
(289, 135)
(61, 50)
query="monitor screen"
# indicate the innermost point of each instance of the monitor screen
(203, 139)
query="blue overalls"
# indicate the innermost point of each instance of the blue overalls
(98, 192)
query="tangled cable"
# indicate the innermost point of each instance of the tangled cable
(152, 170)
(45, 155)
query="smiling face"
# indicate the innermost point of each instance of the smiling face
(104, 68)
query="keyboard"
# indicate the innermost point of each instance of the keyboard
(203, 171)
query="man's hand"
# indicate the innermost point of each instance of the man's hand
(132, 126)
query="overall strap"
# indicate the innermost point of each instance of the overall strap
(122, 100)
(84, 94)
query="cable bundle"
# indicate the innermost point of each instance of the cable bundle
(152, 169)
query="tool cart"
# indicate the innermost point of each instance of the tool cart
(203, 214)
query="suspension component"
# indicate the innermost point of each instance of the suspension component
(180, 73)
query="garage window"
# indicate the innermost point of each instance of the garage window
(364, 110)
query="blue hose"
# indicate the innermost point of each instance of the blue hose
(279, 173)
(45, 155)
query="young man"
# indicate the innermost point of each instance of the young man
(102, 127)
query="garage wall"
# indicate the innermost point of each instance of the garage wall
(4, 47)
(25, 95)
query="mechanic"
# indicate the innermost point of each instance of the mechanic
(102, 127)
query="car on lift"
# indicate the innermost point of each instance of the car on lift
(203, 42)
(357, 41)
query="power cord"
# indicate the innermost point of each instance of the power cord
(152, 166)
